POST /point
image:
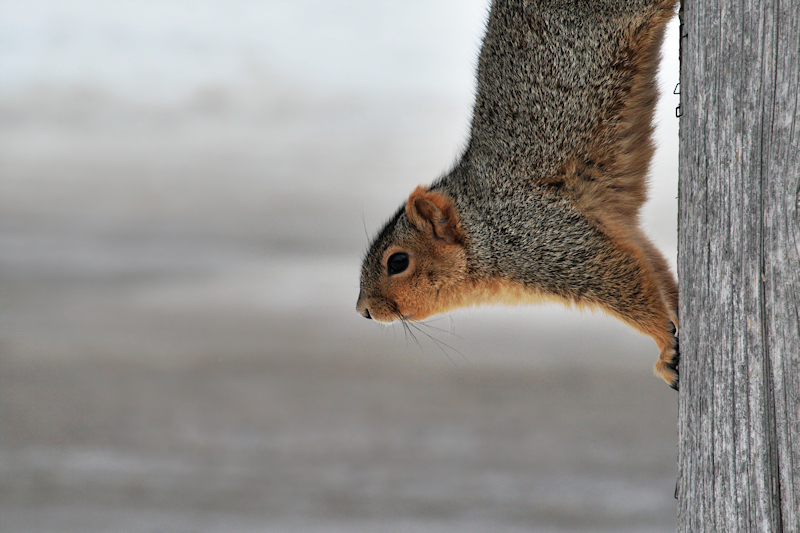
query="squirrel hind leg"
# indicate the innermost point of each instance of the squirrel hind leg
(668, 362)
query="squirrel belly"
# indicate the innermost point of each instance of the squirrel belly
(543, 204)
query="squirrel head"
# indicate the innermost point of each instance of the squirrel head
(415, 261)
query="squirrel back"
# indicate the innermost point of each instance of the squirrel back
(544, 202)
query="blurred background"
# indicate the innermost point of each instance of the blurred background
(186, 190)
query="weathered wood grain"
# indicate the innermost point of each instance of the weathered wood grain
(739, 267)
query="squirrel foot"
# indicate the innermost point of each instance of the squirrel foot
(668, 362)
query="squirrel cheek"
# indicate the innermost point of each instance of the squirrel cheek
(405, 296)
(415, 298)
(400, 302)
(421, 292)
(436, 278)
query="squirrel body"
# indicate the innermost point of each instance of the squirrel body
(544, 202)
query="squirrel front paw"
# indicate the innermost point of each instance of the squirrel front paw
(668, 362)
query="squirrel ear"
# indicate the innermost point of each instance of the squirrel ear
(433, 213)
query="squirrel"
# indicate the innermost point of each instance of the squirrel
(543, 204)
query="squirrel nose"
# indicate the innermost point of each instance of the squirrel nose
(366, 314)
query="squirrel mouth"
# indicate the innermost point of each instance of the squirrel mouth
(398, 315)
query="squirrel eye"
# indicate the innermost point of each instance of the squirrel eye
(397, 263)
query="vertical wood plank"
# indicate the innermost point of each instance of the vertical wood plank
(739, 267)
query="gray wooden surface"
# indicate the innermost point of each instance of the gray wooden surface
(739, 266)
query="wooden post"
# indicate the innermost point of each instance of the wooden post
(739, 267)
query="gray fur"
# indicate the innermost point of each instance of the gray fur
(549, 187)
